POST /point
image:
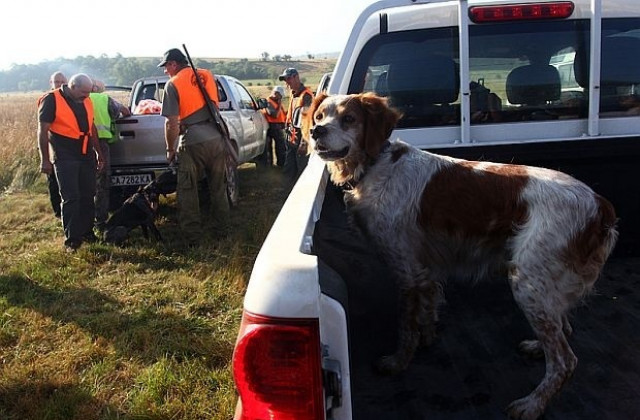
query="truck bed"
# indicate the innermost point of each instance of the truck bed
(473, 370)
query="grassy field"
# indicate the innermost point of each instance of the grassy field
(145, 331)
(310, 73)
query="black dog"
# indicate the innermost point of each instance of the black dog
(140, 210)
(166, 182)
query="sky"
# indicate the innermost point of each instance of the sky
(34, 31)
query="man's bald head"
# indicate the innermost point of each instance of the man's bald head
(57, 79)
(80, 85)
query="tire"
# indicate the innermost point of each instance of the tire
(261, 161)
(231, 181)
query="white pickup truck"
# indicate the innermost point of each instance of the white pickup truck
(140, 153)
(546, 83)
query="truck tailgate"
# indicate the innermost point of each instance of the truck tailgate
(139, 141)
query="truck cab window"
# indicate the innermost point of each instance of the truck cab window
(418, 71)
(518, 72)
(152, 91)
(620, 68)
(245, 100)
(526, 71)
(223, 101)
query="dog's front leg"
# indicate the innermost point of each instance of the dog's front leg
(408, 333)
(145, 232)
(430, 298)
(155, 232)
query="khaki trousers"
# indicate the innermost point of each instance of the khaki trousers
(195, 162)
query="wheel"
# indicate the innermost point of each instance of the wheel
(262, 161)
(231, 178)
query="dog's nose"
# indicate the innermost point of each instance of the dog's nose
(319, 131)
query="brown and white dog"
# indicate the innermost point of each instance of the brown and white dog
(434, 216)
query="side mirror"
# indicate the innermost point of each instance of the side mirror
(262, 103)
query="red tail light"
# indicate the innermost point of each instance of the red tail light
(530, 11)
(277, 369)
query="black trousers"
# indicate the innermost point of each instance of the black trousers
(77, 181)
(54, 193)
(294, 164)
(275, 136)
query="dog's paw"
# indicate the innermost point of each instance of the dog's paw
(528, 408)
(390, 365)
(531, 348)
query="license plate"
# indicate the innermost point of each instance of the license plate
(135, 179)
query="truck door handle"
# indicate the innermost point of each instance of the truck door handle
(131, 134)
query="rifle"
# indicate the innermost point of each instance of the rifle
(214, 111)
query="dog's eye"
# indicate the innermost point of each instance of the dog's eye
(319, 116)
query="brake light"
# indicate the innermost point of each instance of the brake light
(277, 369)
(511, 12)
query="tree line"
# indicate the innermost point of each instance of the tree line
(118, 70)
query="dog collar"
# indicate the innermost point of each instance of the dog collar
(350, 185)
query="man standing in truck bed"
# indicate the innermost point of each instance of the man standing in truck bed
(201, 148)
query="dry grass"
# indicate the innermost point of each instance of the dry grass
(144, 331)
(19, 163)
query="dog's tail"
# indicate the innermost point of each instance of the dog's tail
(596, 243)
(608, 227)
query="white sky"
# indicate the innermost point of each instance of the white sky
(40, 30)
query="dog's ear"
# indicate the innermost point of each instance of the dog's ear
(380, 120)
(307, 116)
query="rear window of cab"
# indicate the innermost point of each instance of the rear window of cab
(523, 71)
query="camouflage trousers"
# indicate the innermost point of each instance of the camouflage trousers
(195, 162)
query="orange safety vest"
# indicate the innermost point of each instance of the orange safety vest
(293, 105)
(41, 98)
(191, 98)
(280, 117)
(66, 123)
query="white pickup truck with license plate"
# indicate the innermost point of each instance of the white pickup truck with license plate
(537, 82)
(140, 152)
